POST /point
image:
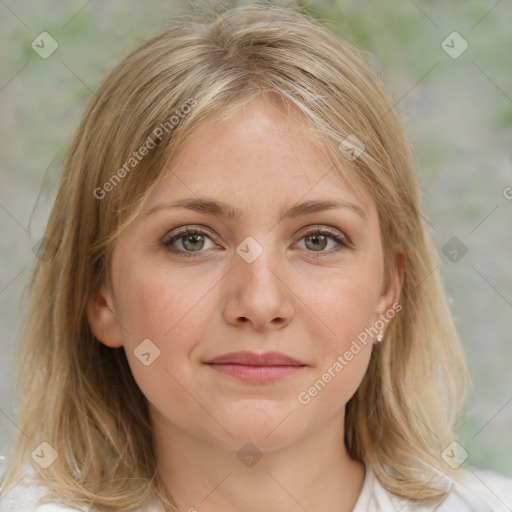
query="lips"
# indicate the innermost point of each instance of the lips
(256, 369)
(247, 358)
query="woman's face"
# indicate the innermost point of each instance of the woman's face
(256, 281)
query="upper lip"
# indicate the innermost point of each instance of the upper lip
(256, 359)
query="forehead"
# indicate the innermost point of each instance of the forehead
(260, 157)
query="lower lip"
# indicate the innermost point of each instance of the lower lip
(257, 374)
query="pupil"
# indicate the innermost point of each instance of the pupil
(195, 239)
(322, 238)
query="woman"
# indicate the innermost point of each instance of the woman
(234, 306)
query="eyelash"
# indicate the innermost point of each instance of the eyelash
(325, 231)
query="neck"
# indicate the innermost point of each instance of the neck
(313, 473)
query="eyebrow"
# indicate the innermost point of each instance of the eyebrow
(224, 210)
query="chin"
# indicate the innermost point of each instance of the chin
(266, 432)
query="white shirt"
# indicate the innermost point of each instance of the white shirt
(482, 491)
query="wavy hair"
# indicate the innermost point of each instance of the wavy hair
(79, 395)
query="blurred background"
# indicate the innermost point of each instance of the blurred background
(448, 68)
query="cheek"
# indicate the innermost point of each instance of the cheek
(344, 352)
(165, 309)
(159, 303)
(346, 307)
(170, 308)
(346, 304)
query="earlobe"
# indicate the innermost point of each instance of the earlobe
(101, 317)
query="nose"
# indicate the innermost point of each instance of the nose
(258, 295)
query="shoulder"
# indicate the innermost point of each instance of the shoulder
(479, 491)
(28, 493)
(493, 489)
(24, 497)
(475, 491)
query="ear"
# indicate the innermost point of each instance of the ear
(101, 316)
(390, 294)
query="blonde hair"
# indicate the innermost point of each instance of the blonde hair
(79, 395)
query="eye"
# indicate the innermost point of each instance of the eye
(317, 239)
(187, 240)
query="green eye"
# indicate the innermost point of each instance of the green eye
(191, 240)
(194, 240)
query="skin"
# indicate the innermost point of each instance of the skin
(299, 297)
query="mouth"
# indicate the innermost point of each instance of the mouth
(256, 368)
(256, 374)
